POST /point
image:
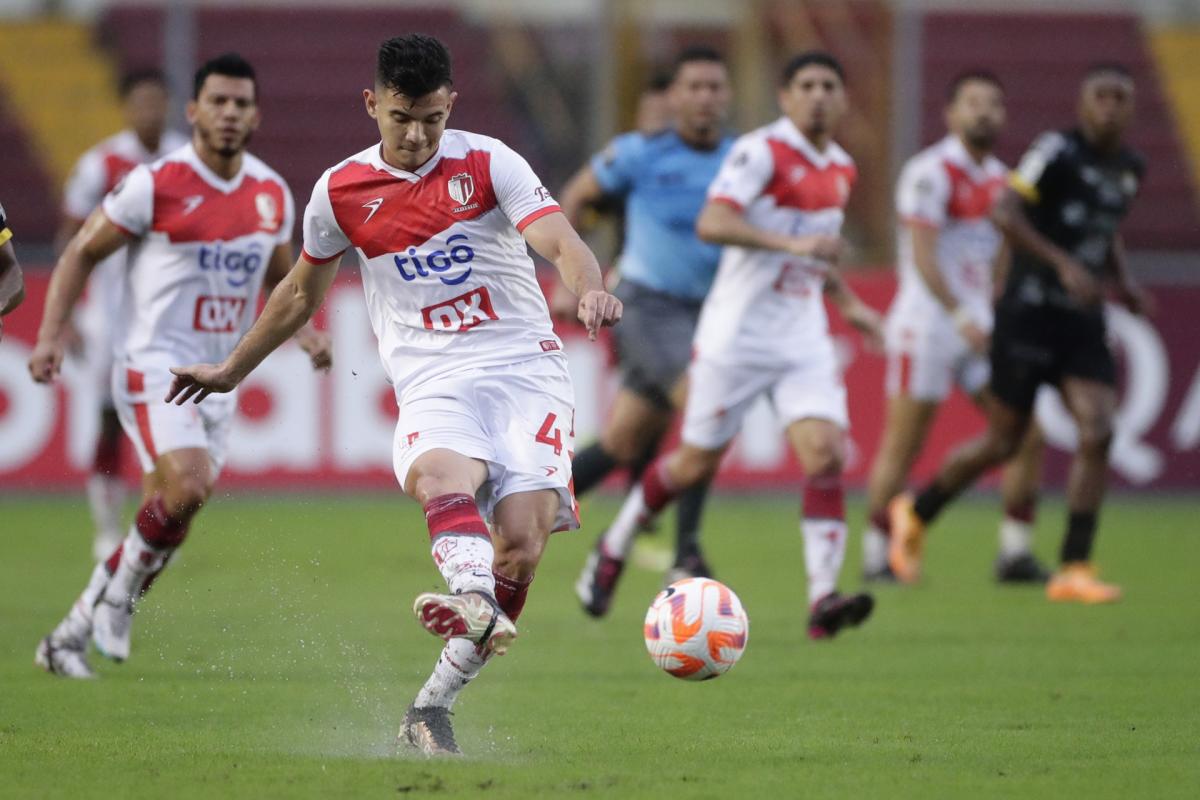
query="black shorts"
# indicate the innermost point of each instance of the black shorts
(1032, 345)
(654, 340)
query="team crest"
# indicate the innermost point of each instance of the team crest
(462, 188)
(268, 210)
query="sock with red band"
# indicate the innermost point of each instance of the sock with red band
(155, 535)
(644, 502)
(824, 527)
(461, 544)
(511, 594)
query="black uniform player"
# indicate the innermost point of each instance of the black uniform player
(1061, 216)
(12, 285)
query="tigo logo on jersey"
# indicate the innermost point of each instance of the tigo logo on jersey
(218, 314)
(438, 262)
(460, 313)
(239, 266)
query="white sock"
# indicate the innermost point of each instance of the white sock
(1016, 538)
(824, 550)
(106, 499)
(76, 627)
(875, 549)
(458, 664)
(465, 561)
(138, 561)
(618, 539)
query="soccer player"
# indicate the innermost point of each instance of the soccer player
(1061, 215)
(12, 283)
(206, 226)
(665, 273)
(146, 138)
(777, 206)
(440, 220)
(940, 321)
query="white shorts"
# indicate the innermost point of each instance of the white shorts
(156, 427)
(719, 396)
(926, 360)
(518, 419)
(96, 323)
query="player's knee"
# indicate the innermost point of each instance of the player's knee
(185, 495)
(1095, 438)
(694, 466)
(519, 559)
(823, 459)
(436, 483)
(623, 444)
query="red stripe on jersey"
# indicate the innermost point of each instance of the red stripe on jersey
(970, 199)
(534, 216)
(135, 381)
(142, 414)
(798, 183)
(115, 168)
(310, 258)
(382, 214)
(189, 209)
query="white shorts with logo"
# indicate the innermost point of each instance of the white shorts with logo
(156, 427)
(719, 395)
(928, 356)
(518, 419)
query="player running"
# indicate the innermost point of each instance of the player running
(207, 227)
(666, 271)
(146, 139)
(940, 321)
(440, 220)
(12, 283)
(777, 206)
(1067, 198)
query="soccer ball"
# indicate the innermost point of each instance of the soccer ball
(696, 629)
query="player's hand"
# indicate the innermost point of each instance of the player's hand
(563, 305)
(318, 346)
(869, 323)
(199, 381)
(825, 248)
(975, 336)
(1078, 282)
(599, 309)
(1136, 299)
(46, 360)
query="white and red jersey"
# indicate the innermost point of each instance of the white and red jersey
(449, 282)
(942, 187)
(202, 245)
(766, 307)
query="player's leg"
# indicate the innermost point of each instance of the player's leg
(1019, 487)
(105, 485)
(632, 431)
(689, 557)
(1093, 405)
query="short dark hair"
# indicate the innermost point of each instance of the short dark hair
(660, 81)
(1107, 68)
(413, 65)
(136, 77)
(974, 75)
(695, 53)
(230, 65)
(807, 59)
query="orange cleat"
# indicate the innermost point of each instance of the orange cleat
(1077, 583)
(907, 540)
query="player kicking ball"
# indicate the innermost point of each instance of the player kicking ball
(440, 220)
(208, 226)
(777, 206)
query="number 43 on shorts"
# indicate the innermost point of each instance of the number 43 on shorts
(550, 434)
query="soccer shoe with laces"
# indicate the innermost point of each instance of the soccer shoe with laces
(835, 611)
(64, 658)
(907, 541)
(429, 730)
(474, 616)
(1022, 568)
(1077, 583)
(598, 582)
(112, 622)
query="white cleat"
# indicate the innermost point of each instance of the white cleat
(111, 625)
(471, 615)
(67, 659)
(429, 730)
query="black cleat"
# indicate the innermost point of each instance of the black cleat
(693, 566)
(429, 730)
(835, 611)
(882, 575)
(1024, 568)
(598, 582)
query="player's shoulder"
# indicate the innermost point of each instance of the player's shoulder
(1053, 144)
(837, 155)
(351, 169)
(457, 143)
(258, 169)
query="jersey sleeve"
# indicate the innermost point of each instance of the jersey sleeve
(1040, 170)
(617, 166)
(130, 205)
(519, 193)
(744, 173)
(85, 186)
(922, 193)
(5, 233)
(324, 239)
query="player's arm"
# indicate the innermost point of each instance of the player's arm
(553, 238)
(97, 240)
(583, 191)
(924, 238)
(12, 283)
(1129, 293)
(290, 306)
(312, 341)
(852, 308)
(1010, 217)
(722, 222)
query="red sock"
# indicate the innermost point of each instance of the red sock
(511, 594)
(824, 498)
(159, 529)
(657, 490)
(882, 522)
(1022, 512)
(454, 513)
(115, 559)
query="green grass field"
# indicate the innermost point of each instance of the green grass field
(277, 657)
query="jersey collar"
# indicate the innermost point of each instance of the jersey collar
(376, 160)
(796, 138)
(956, 152)
(211, 178)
